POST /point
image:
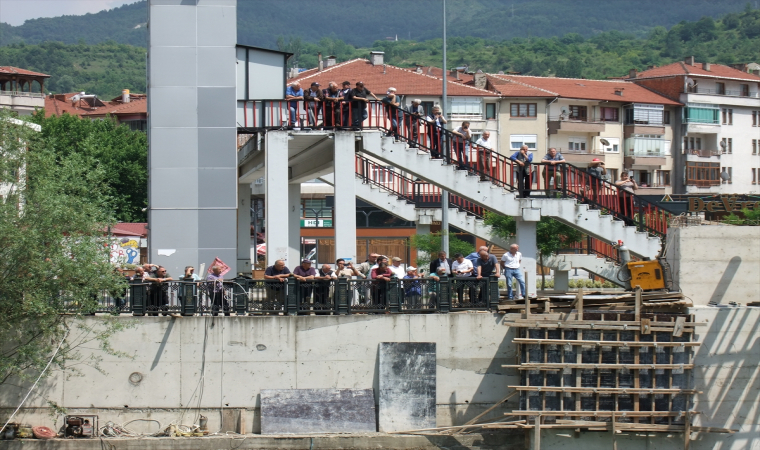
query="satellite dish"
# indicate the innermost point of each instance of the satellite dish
(724, 175)
(690, 82)
(604, 142)
(723, 144)
(564, 110)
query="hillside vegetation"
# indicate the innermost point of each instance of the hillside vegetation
(361, 23)
(107, 68)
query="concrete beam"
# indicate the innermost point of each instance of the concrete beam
(345, 195)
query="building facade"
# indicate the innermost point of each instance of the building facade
(22, 90)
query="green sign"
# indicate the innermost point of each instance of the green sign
(314, 223)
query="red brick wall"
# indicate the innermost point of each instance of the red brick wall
(670, 87)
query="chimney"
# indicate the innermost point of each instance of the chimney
(619, 91)
(455, 74)
(419, 69)
(632, 73)
(125, 96)
(383, 69)
(320, 65)
(480, 80)
(689, 60)
(376, 58)
(331, 60)
(706, 66)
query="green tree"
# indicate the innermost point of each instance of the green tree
(430, 244)
(551, 235)
(55, 257)
(122, 155)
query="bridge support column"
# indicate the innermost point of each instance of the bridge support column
(282, 203)
(526, 239)
(561, 280)
(244, 229)
(345, 195)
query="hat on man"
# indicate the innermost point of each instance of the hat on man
(596, 160)
(306, 261)
(396, 259)
(411, 269)
(315, 84)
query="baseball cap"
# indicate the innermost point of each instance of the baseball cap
(315, 84)
(596, 160)
(396, 258)
(411, 269)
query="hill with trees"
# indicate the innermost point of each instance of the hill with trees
(107, 68)
(361, 23)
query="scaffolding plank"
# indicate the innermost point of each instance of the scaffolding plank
(602, 390)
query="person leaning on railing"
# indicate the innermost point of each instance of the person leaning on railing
(434, 287)
(359, 100)
(435, 123)
(462, 269)
(462, 144)
(551, 171)
(312, 100)
(391, 104)
(325, 276)
(523, 158)
(381, 276)
(276, 276)
(215, 284)
(345, 107)
(484, 154)
(305, 274)
(626, 186)
(412, 286)
(332, 97)
(158, 297)
(294, 93)
(412, 123)
(597, 172)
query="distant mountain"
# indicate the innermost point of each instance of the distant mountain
(361, 23)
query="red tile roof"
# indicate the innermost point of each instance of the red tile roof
(681, 68)
(406, 82)
(130, 229)
(58, 104)
(135, 106)
(437, 72)
(515, 88)
(586, 89)
(10, 70)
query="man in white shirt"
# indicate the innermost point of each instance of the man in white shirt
(397, 268)
(462, 270)
(484, 154)
(510, 262)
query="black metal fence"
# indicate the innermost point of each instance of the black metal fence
(244, 296)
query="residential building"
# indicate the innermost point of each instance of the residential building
(717, 128)
(21, 90)
(625, 125)
(130, 109)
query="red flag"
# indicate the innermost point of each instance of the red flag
(218, 262)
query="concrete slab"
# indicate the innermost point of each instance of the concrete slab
(297, 411)
(407, 386)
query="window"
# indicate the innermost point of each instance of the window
(720, 88)
(727, 146)
(729, 171)
(647, 145)
(755, 145)
(642, 177)
(137, 125)
(700, 113)
(381, 174)
(522, 109)
(428, 107)
(614, 146)
(755, 118)
(315, 208)
(576, 144)
(666, 117)
(692, 143)
(518, 140)
(644, 114)
(470, 106)
(612, 175)
(728, 116)
(662, 177)
(578, 112)
(609, 114)
(702, 174)
(754, 175)
(490, 111)
(744, 90)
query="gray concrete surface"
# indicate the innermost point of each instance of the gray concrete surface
(716, 264)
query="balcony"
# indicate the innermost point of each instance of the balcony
(722, 92)
(22, 101)
(703, 155)
(582, 157)
(640, 128)
(562, 123)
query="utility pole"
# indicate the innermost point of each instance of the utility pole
(445, 193)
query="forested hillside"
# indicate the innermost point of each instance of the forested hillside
(107, 68)
(361, 23)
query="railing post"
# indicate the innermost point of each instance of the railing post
(394, 297)
(444, 295)
(187, 299)
(291, 301)
(341, 296)
(493, 293)
(240, 289)
(139, 293)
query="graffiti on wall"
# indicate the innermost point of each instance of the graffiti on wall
(125, 250)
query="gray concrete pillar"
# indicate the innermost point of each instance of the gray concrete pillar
(244, 229)
(561, 280)
(276, 206)
(526, 239)
(423, 228)
(344, 219)
(294, 225)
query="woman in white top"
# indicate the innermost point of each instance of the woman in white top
(626, 186)
(463, 270)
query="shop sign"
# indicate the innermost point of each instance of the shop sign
(724, 204)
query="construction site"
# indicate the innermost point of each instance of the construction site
(669, 360)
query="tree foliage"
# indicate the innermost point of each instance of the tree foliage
(428, 246)
(120, 153)
(54, 251)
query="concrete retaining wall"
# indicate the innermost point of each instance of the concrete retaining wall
(716, 263)
(246, 354)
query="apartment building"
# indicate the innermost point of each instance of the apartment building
(717, 126)
(625, 125)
